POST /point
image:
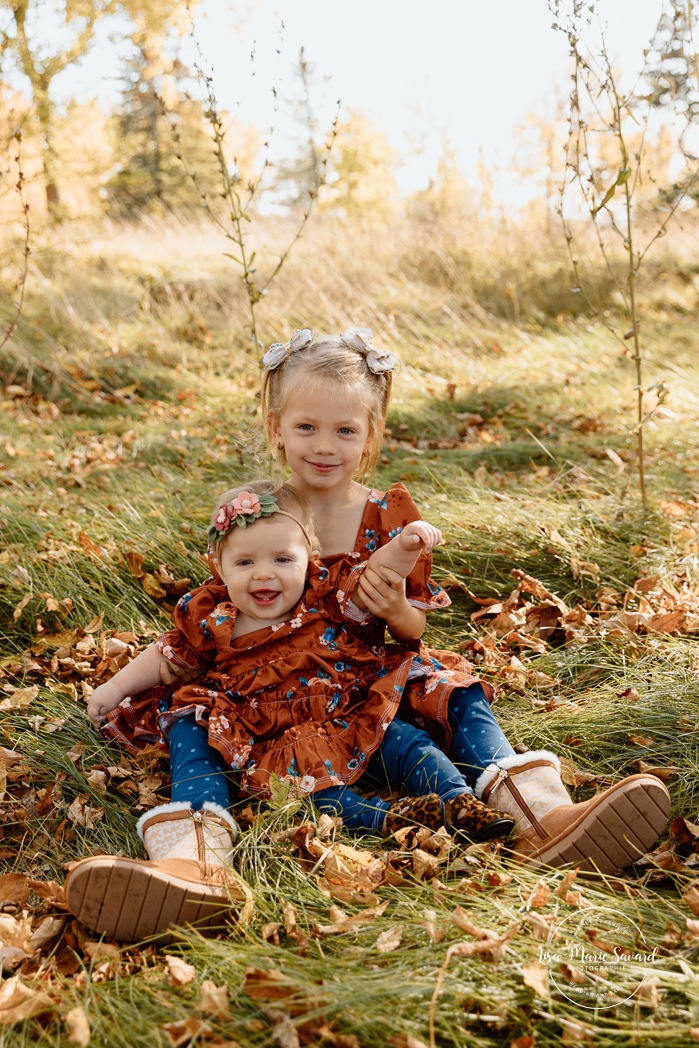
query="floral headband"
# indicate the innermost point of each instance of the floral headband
(379, 361)
(245, 509)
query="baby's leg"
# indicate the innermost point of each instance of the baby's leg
(413, 762)
(357, 813)
(197, 771)
(409, 760)
(478, 740)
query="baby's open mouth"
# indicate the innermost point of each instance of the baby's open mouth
(265, 596)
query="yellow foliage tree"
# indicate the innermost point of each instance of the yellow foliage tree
(39, 57)
(362, 181)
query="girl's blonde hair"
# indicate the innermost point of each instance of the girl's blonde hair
(288, 499)
(328, 359)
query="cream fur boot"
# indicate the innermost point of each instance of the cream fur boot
(606, 833)
(185, 879)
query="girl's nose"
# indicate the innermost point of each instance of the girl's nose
(323, 444)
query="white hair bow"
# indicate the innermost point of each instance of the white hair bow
(279, 351)
(361, 341)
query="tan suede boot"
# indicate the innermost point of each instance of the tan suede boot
(184, 881)
(606, 833)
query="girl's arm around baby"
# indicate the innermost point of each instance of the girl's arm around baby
(386, 570)
(141, 673)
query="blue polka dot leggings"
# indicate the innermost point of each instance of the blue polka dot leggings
(197, 771)
(408, 760)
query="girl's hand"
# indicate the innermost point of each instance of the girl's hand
(103, 699)
(383, 593)
(171, 674)
(420, 533)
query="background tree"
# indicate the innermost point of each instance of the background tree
(39, 52)
(363, 180)
(672, 74)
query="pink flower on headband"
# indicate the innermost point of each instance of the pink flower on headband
(245, 502)
(244, 509)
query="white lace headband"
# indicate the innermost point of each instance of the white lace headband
(378, 361)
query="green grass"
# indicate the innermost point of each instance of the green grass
(137, 407)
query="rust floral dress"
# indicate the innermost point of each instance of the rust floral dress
(310, 698)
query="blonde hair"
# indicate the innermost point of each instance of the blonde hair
(288, 499)
(328, 359)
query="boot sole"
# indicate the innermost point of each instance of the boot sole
(614, 833)
(127, 900)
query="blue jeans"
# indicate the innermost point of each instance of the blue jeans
(407, 759)
(477, 740)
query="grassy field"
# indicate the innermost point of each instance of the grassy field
(129, 401)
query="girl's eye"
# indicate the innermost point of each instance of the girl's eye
(284, 560)
(346, 431)
(304, 426)
(242, 563)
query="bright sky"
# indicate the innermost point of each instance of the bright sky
(418, 69)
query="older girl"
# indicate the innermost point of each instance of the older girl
(324, 402)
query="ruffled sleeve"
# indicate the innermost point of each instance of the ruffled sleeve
(330, 589)
(191, 644)
(386, 515)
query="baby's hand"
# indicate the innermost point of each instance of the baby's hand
(103, 699)
(420, 533)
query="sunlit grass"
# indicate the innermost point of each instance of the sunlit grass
(134, 405)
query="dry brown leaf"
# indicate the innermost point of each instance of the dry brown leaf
(19, 697)
(185, 1030)
(691, 897)
(267, 984)
(75, 752)
(536, 977)
(14, 887)
(78, 1027)
(641, 740)
(540, 925)
(179, 972)
(566, 882)
(213, 1000)
(45, 932)
(15, 931)
(540, 895)
(82, 813)
(19, 1001)
(425, 866)
(666, 773)
(389, 940)
(648, 994)
(692, 928)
